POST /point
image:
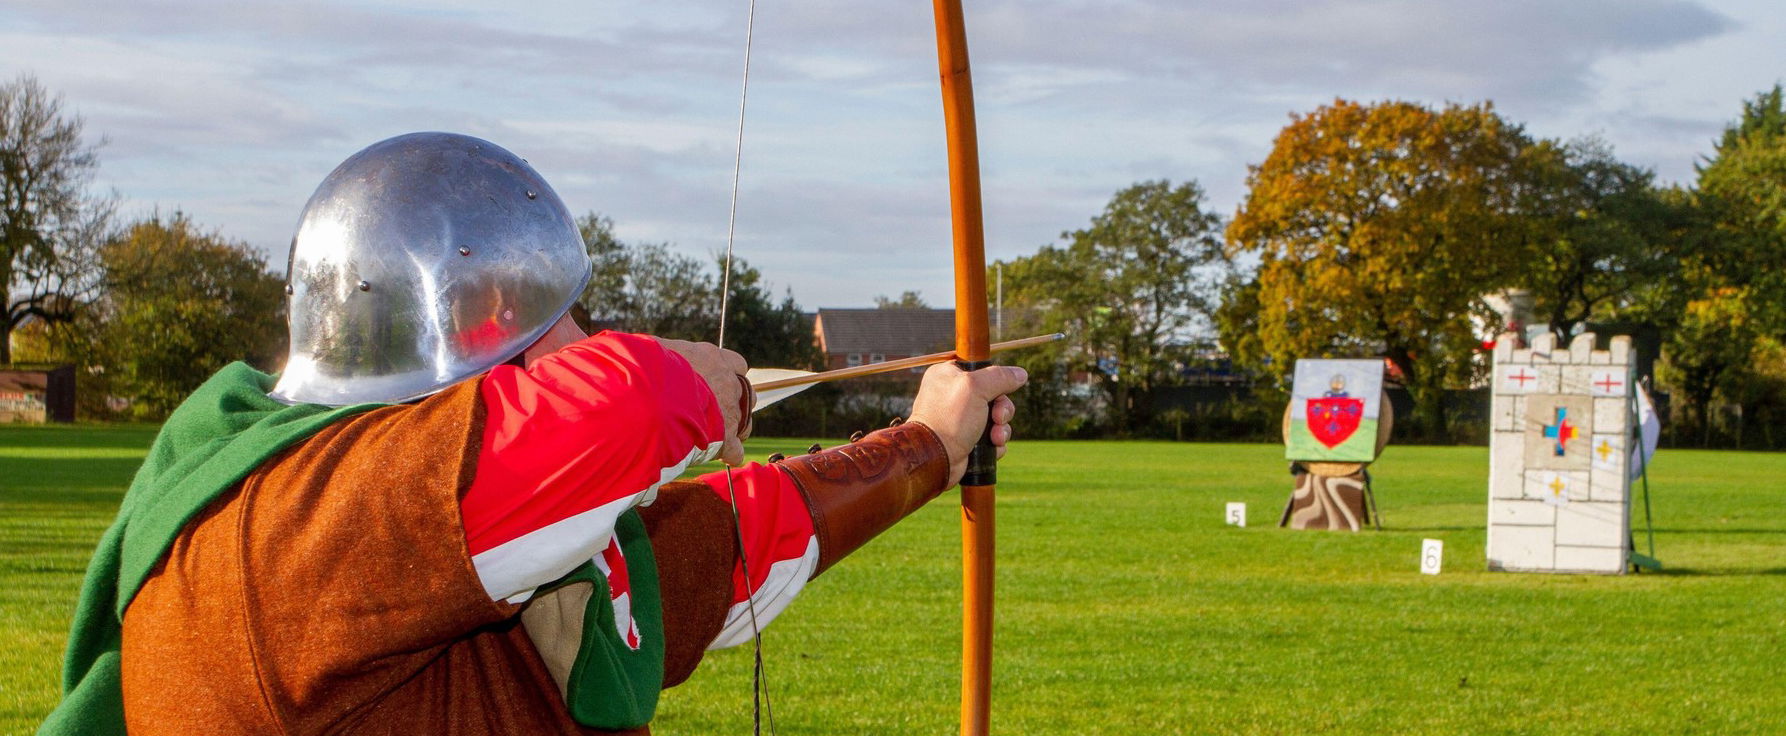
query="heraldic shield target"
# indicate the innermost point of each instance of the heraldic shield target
(1334, 409)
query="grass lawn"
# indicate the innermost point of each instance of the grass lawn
(1125, 606)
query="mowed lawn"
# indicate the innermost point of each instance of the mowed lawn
(1125, 606)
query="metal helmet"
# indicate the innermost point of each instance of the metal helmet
(419, 262)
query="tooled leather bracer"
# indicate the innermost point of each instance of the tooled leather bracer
(858, 490)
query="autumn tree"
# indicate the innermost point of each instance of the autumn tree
(1132, 292)
(1378, 229)
(49, 228)
(179, 304)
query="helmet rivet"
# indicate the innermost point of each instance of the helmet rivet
(532, 194)
(464, 250)
(365, 286)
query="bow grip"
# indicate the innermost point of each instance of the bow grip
(982, 461)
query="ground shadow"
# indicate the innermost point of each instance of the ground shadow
(1688, 572)
(1720, 530)
(1459, 528)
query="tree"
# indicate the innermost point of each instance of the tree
(906, 300)
(652, 289)
(1378, 229)
(1708, 353)
(180, 304)
(1603, 235)
(765, 331)
(1742, 188)
(48, 227)
(1733, 274)
(1132, 292)
(604, 297)
(646, 287)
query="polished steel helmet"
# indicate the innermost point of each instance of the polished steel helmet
(419, 262)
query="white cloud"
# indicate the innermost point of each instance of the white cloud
(234, 110)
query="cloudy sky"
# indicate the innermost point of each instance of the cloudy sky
(233, 111)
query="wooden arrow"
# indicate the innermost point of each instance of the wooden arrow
(775, 384)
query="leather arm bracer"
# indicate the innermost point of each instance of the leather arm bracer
(858, 490)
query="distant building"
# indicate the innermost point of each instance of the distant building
(853, 337)
(36, 395)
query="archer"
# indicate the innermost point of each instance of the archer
(454, 511)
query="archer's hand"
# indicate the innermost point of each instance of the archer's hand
(953, 403)
(724, 371)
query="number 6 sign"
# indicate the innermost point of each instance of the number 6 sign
(1432, 552)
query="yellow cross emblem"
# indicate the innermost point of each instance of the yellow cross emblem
(1557, 486)
(1604, 449)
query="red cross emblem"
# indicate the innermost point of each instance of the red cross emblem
(1520, 377)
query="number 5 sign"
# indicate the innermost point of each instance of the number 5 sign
(1236, 515)
(1432, 552)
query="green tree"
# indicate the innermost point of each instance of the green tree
(604, 297)
(646, 287)
(1604, 234)
(906, 300)
(1708, 354)
(1238, 333)
(1733, 274)
(649, 288)
(1378, 229)
(1132, 292)
(766, 331)
(180, 304)
(49, 228)
(1742, 188)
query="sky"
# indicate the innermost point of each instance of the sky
(234, 111)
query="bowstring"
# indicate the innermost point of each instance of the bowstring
(761, 705)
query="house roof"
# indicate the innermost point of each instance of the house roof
(885, 331)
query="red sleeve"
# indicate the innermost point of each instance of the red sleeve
(571, 443)
(780, 549)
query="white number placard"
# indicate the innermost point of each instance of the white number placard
(1236, 515)
(1432, 553)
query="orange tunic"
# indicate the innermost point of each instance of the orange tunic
(332, 592)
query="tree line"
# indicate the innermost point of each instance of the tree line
(1387, 230)
(1379, 229)
(151, 307)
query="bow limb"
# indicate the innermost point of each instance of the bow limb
(972, 347)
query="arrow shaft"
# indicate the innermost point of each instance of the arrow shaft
(890, 366)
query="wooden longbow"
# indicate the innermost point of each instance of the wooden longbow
(972, 346)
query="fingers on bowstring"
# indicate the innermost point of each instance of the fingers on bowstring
(734, 362)
(732, 453)
(747, 402)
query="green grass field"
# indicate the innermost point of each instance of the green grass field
(1125, 606)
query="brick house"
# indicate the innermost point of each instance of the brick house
(853, 337)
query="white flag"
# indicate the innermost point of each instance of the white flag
(1649, 432)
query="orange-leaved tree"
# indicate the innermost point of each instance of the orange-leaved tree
(1378, 230)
